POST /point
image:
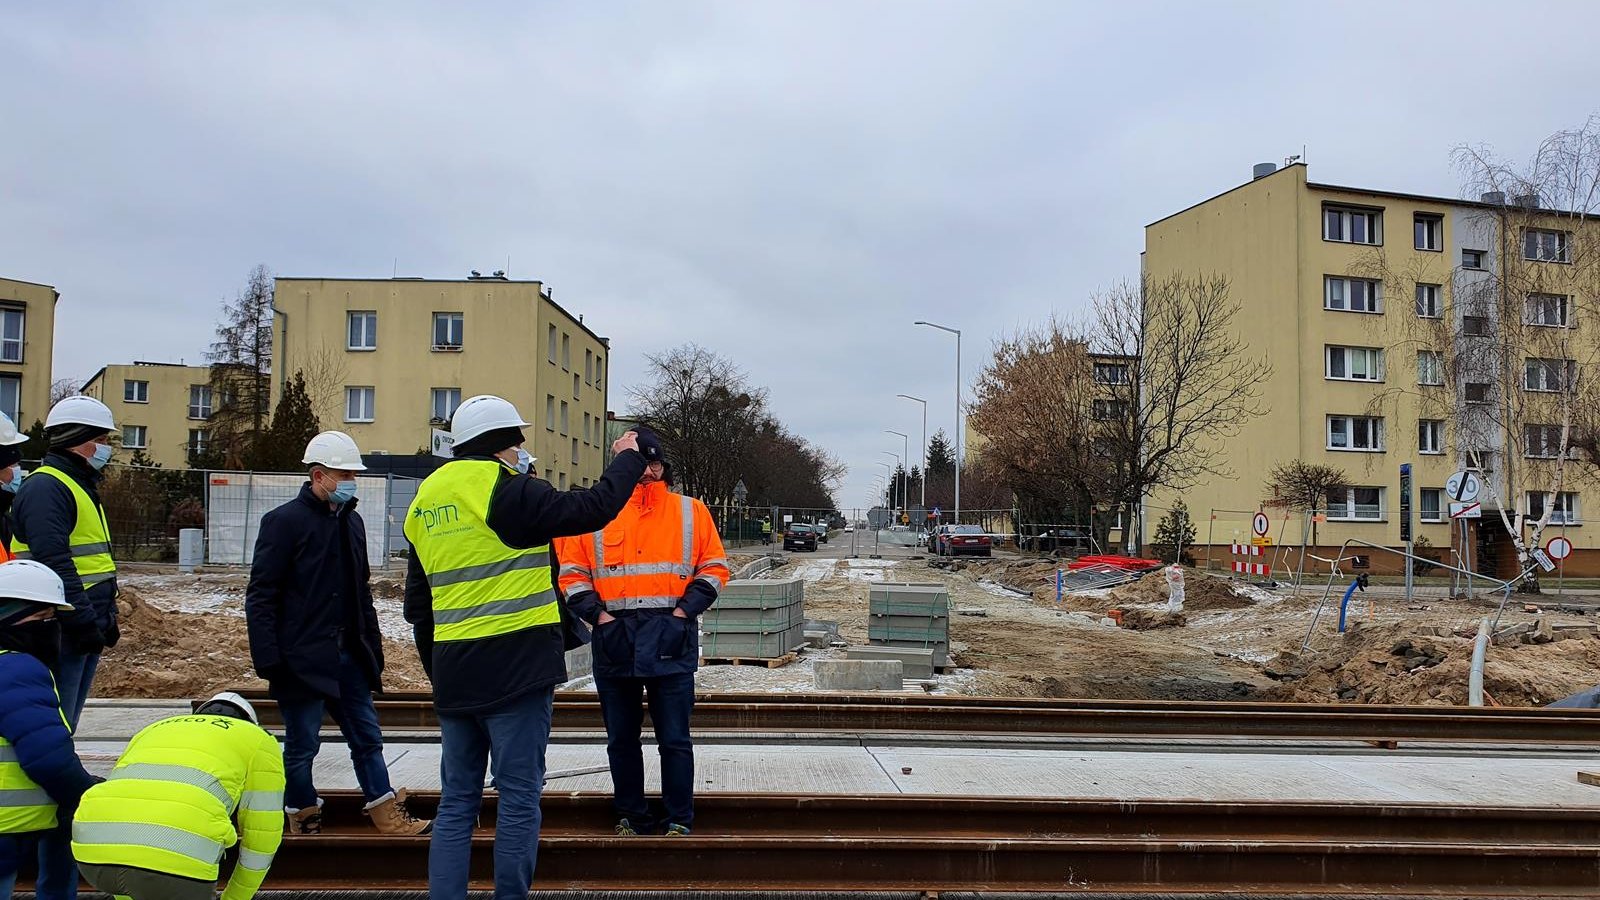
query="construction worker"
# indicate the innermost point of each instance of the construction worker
(59, 521)
(156, 828)
(642, 583)
(41, 777)
(314, 635)
(481, 594)
(11, 442)
(766, 531)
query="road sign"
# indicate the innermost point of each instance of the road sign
(442, 443)
(938, 512)
(1260, 524)
(1466, 510)
(1463, 487)
(1261, 541)
(1405, 506)
(1559, 548)
(1543, 559)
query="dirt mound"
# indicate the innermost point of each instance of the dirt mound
(1201, 593)
(1400, 664)
(1150, 619)
(388, 589)
(167, 654)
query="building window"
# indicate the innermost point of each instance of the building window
(1352, 295)
(448, 330)
(1565, 511)
(1428, 232)
(445, 401)
(1430, 436)
(1549, 375)
(1551, 310)
(1110, 410)
(135, 391)
(11, 335)
(575, 394)
(586, 419)
(133, 437)
(551, 350)
(563, 417)
(566, 352)
(1430, 367)
(1542, 245)
(200, 401)
(1428, 305)
(588, 367)
(1353, 363)
(1543, 442)
(363, 331)
(1472, 259)
(562, 480)
(574, 451)
(599, 372)
(550, 475)
(1477, 392)
(1110, 373)
(11, 396)
(199, 440)
(360, 404)
(1356, 504)
(549, 413)
(1364, 433)
(1430, 503)
(1352, 226)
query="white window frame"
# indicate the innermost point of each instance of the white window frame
(447, 393)
(369, 330)
(19, 342)
(1549, 443)
(1562, 305)
(11, 383)
(1434, 228)
(1103, 409)
(201, 402)
(1347, 356)
(199, 440)
(140, 391)
(1345, 217)
(1350, 511)
(1111, 373)
(1430, 363)
(369, 405)
(1348, 424)
(455, 326)
(1566, 369)
(1568, 511)
(128, 441)
(1558, 249)
(1430, 437)
(1481, 255)
(1373, 303)
(1433, 306)
(1438, 514)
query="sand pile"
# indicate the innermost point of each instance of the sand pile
(1201, 593)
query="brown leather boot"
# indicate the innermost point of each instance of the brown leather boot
(390, 816)
(305, 821)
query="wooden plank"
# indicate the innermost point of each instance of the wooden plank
(1589, 777)
(748, 661)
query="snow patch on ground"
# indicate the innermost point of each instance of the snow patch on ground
(1000, 590)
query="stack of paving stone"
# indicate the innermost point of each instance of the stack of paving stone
(755, 619)
(912, 616)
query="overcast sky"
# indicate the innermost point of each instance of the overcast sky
(788, 184)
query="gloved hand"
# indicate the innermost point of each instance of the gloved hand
(113, 634)
(82, 636)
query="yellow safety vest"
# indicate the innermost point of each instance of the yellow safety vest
(481, 587)
(90, 539)
(168, 806)
(24, 806)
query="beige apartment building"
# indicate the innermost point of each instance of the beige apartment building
(388, 360)
(1402, 329)
(162, 408)
(27, 339)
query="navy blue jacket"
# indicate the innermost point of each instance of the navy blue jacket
(480, 676)
(30, 719)
(309, 595)
(43, 516)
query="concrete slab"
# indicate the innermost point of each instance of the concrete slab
(858, 674)
(916, 662)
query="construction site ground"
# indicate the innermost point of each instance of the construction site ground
(184, 635)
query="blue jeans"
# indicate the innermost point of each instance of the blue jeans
(13, 849)
(357, 719)
(515, 735)
(58, 872)
(671, 699)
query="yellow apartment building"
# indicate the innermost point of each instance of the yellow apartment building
(162, 408)
(1394, 338)
(388, 360)
(27, 339)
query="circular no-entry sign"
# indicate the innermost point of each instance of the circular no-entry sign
(1558, 548)
(1260, 524)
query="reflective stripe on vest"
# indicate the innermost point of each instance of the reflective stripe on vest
(142, 835)
(199, 778)
(90, 540)
(481, 587)
(650, 585)
(24, 806)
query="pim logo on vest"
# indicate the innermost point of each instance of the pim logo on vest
(445, 514)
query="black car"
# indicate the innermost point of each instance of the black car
(800, 538)
(821, 531)
(1070, 539)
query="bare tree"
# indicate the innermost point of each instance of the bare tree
(1304, 487)
(326, 373)
(62, 388)
(241, 372)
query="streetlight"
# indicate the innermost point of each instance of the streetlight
(957, 333)
(902, 469)
(905, 486)
(924, 500)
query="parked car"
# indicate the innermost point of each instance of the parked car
(800, 538)
(954, 540)
(1073, 539)
(821, 531)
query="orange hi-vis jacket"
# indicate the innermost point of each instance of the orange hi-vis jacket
(650, 554)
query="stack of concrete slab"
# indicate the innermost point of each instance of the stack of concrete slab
(907, 615)
(755, 619)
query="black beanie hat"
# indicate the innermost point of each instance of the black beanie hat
(489, 443)
(64, 436)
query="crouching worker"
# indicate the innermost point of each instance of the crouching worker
(41, 777)
(157, 828)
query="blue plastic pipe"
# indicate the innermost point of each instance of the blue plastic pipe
(1345, 603)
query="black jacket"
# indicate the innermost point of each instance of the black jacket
(43, 517)
(299, 605)
(479, 676)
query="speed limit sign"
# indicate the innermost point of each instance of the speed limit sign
(1260, 524)
(1559, 548)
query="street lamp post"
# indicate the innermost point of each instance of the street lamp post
(900, 466)
(924, 485)
(905, 483)
(957, 333)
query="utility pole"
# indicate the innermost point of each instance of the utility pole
(957, 333)
(923, 502)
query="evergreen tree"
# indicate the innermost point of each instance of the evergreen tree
(941, 471)
(38, 445)
(294, 424)
(241, 373)
(1175, 530)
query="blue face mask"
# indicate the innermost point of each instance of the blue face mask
(17, 475)
(343, 492)
(524, 461)
(102, 455)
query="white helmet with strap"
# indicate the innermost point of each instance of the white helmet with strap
(236, 701)
(482, 414)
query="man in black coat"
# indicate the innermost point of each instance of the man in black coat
(314, 635)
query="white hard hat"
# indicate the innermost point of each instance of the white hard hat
(482, 414)
(9, 435)
(80, 410)
(336, 450)
(232, 699)
(26, 579)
